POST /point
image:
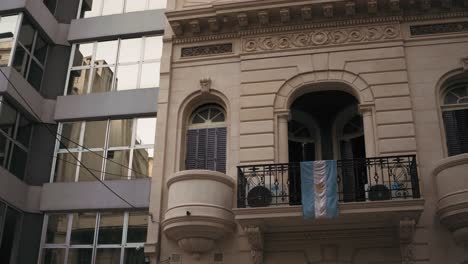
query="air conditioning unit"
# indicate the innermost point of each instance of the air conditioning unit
(259, 196)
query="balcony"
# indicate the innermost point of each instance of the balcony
(375, 194)
(451, 180)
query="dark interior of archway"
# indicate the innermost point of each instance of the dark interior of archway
(322, 108)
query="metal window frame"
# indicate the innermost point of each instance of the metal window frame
(12, 141)
(124, 5)
(115, 65)
(95, 246)
(27, 68)
(105, 149)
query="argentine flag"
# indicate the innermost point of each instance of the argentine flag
(319, 189)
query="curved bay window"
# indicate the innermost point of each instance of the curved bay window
(206, 139)
(455, 116)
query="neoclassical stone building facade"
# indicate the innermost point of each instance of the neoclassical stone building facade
(251, 88)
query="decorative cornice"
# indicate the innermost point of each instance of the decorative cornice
(325, 37)
(233, 19)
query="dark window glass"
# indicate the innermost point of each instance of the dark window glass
(5, 146)
(108, 255)
(137, 227)
(51, 5)
(117, 164)
(80, 255)
(18, 161)
(40, 49)
(456, 131)
(82, 232)
(8, 117)
(56, 229)
(54, 255)
(10, 232)
(26, 35)
(110, 228)
(134, 256)
(20, 60)
(35, 75)
(23, 135)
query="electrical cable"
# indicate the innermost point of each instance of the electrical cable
(68, 150)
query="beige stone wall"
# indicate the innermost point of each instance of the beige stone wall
(395, 80)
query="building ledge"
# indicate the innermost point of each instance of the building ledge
(375, 214)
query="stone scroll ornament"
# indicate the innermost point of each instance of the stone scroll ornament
(320, 37)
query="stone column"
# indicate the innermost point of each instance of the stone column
(369, 134)
(282, 119)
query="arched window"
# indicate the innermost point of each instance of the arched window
(455, 116)
(206, 139)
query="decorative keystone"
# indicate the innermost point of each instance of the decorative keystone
(205, 85)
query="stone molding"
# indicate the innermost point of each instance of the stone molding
(255, 237)
(324, 37)
(201, 175)
(197, 51)
(449, 162)
(430, 29)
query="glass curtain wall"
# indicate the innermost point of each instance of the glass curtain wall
(30, 55)
(115, 149)
(93, 8)
(9, 25)
(15, 138)
(114, 65)
(10, 220)
(94, 237)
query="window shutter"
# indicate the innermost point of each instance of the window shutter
(201, 148)
(192, 142)
(206, 149)
(211, 149)
(456, 131)
(221, 135)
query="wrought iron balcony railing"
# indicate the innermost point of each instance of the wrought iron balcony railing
(359, 180)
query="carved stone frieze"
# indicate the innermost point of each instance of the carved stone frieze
(464, 62)
(206, 50)
(439, 28)
(205, 85)
(323, 37)
(350, 8)
(306, 13)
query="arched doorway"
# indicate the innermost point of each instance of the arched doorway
(327, 125)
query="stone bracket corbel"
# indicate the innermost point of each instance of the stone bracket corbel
(255, 237)
(205, 85)
(406, 232)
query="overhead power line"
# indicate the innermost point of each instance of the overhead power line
(68, 150)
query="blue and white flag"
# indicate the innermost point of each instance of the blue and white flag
(319, 189)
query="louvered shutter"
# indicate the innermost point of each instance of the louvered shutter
(192, 145)
(206, 149)
(456, 131)
(221, 135)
